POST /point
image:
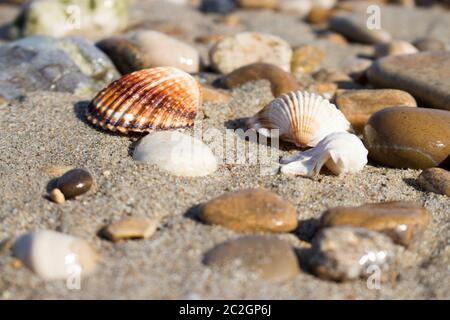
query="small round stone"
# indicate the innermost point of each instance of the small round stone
(227, 55)
(435, 180)
(130, 228)
(267, 257)
(404, 137)
(359, 105)
(280, 80)
(345, 253)
(57, 196)
(250, 210)
(306, 59)
(403, 222)
(74, 183)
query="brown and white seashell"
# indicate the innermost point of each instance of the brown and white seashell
(145, 100)
(301, 117)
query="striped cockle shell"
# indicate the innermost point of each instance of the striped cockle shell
(146, 100)
(301, 117)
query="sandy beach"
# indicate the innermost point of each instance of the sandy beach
(45, 129)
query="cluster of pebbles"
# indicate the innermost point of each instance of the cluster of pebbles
(391, 107)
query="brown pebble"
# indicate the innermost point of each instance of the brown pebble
(16, 263)
(404, 137)
(74, 183)
(334, 37)
(359, 105)
(250, 210)
(435, 180)
(269, 258)
(403, 222)
(325, 89)
(130, 228)
(280, 80)
(319, 15)
(57, 196)
(306, 59)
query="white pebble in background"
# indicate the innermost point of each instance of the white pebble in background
(53, 255)
(177, 153)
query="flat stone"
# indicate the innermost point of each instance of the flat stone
(176, 153)
(130, 228)
(74, 183)
(250, 210)
(306, 59)
(345, 253)
(228, 54)
(64, 65)
(280, 80)
(356, 30)
(148, 49)
(98, 18)
(267, 257)
(359, 105)
(435, 180)
(403, 222)
(404, 137)
(425, 75)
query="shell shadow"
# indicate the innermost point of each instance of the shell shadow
(79, 108)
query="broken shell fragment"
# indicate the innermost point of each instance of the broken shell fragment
(301, 117)
(340, 152)
(156, 98)
(53, 255)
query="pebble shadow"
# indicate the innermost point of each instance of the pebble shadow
(306, 229)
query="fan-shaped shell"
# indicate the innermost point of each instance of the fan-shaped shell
(301, 117)
(155, 98)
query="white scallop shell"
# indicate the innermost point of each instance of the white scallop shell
(341, 152)
(53, 255)
(301, 117)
